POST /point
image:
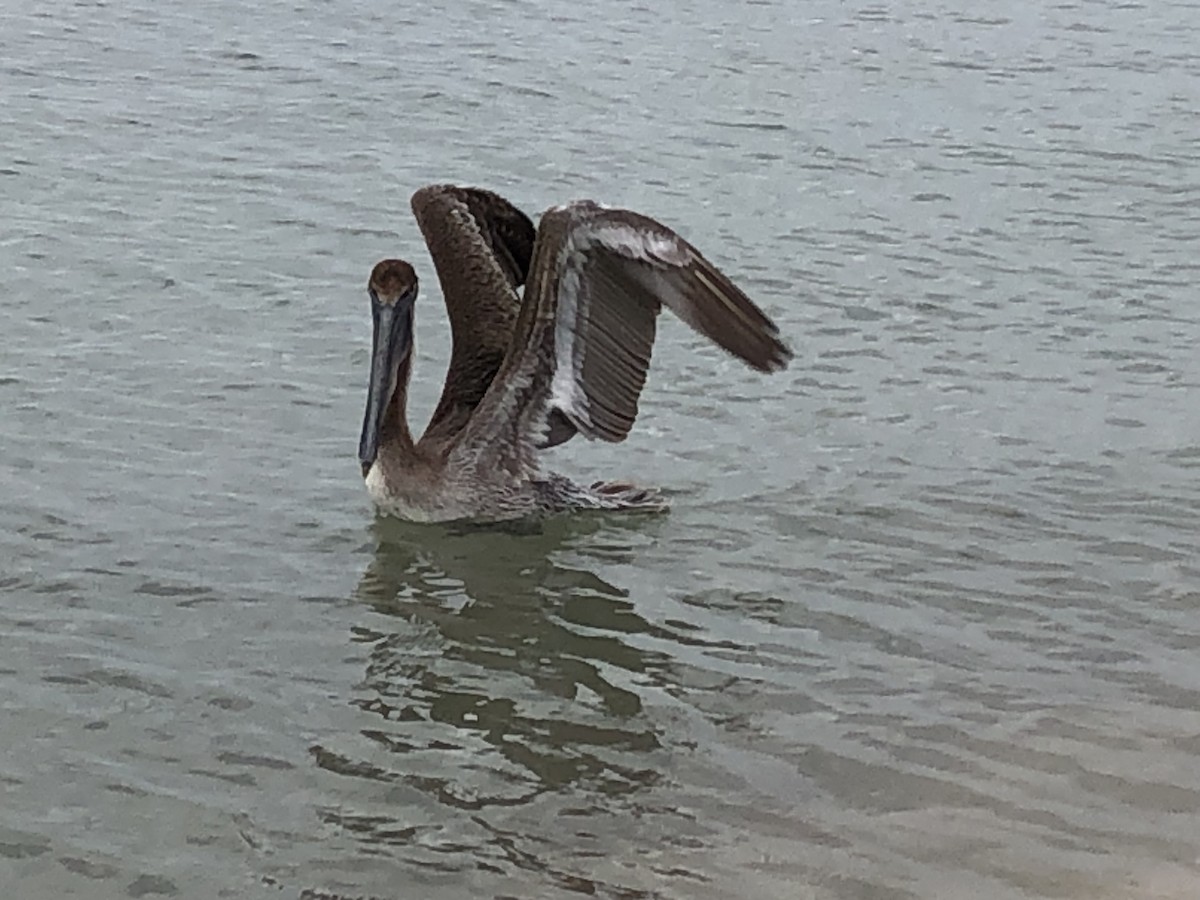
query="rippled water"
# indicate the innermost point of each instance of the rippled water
(924, 619)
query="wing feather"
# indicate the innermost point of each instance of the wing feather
(481, 247)
(582, 344)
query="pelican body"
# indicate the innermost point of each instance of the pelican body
(531, 370)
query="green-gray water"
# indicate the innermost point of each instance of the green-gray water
(924, 620)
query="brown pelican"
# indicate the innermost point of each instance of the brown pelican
(530, 371)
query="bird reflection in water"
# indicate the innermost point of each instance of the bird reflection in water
(501, 727)
(501, 670)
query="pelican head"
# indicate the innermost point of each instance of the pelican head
(393, 290)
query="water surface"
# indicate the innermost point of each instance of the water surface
(923, 620)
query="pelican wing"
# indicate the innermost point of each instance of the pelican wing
(584, 337)
(481, 247)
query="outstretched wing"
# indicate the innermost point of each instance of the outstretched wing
(481, 247)
(584, 337)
